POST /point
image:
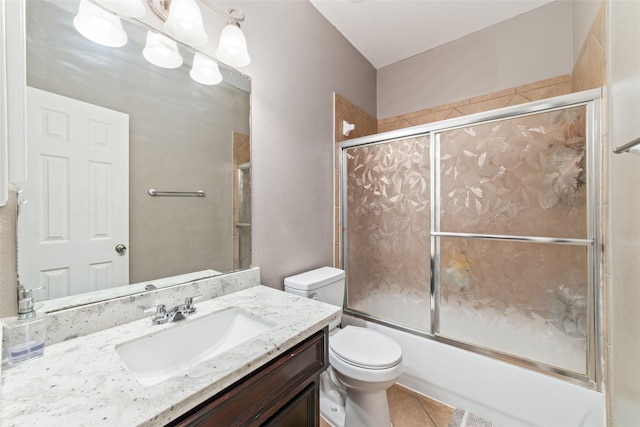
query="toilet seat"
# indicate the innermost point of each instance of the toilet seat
(365, 348)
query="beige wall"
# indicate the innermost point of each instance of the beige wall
(622, 206)
(588, 72)
(8, 292)
(528, 48)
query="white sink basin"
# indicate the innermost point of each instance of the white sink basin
(175, 350)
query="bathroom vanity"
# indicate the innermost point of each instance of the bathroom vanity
(269, 379)
(282, 393)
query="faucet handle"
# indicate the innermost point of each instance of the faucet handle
(188, 306)
(158, 309)
(190, 300)
(160, 315)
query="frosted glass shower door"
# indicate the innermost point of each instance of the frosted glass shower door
(387, 235)
(515, 248)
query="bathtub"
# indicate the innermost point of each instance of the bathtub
(506, 394)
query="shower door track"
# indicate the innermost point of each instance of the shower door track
(595, 344)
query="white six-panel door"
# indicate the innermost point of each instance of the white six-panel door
(77, 197)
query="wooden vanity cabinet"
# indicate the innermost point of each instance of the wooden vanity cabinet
(283, 393)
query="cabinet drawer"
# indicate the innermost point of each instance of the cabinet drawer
(255, 398)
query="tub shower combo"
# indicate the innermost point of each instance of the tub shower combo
(483, 232)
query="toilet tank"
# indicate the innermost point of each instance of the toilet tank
(324, 284)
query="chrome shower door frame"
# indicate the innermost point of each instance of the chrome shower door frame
(595, 343)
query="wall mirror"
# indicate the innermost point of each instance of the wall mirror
(105, 128)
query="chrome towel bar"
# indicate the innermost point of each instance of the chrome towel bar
(625, 148)
(154, 192)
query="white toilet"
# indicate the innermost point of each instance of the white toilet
(363, 363)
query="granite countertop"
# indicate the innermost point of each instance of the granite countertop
(83, 382)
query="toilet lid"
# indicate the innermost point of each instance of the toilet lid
(365, 348)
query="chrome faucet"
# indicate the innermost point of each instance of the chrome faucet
(179, 312)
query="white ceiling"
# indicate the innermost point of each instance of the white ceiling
(388, 31)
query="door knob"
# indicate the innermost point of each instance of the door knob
(121, 249)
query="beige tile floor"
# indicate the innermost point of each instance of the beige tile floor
(409, 409)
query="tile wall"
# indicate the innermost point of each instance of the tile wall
(535, 91)
(365, 125)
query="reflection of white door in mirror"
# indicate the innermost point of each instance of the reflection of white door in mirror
(77, 197)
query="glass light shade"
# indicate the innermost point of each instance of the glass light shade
(130, 8)
(205, 70)
(99, 26)
(184, 23)
(161, 51)
(232, 49)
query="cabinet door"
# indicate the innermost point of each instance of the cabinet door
(302, 411)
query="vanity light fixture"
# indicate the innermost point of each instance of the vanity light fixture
(99, 21)
(99, 26)
(232, 48)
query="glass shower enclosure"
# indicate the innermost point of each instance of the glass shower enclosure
(482, 232)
